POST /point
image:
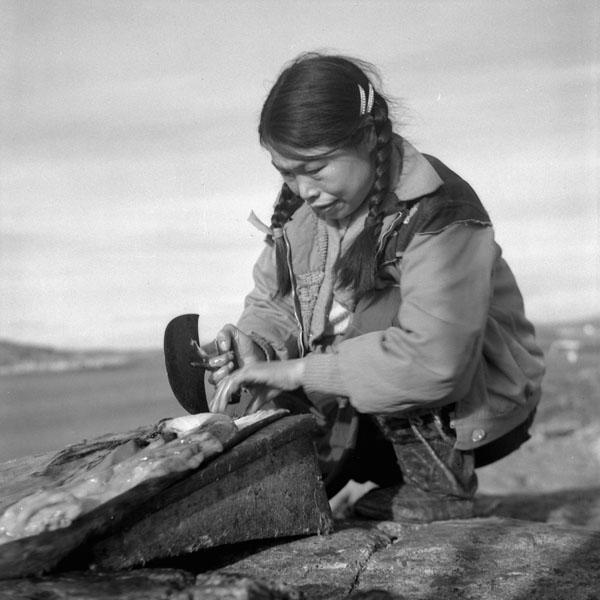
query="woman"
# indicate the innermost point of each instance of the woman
(381, 303)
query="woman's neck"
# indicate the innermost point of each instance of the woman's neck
(395, 172)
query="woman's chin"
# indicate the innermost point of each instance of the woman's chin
(335, 210)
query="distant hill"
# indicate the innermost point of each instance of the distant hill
(571, 338)
(17, 357)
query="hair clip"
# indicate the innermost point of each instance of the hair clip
(363, 101)
(366, 101)
(370, 98)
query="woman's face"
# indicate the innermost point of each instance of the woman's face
(333, 182)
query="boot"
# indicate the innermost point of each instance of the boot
(439, 480)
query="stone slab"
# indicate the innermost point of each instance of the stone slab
(319, 567)
(476, 559)
(486, 559)
(144, 584)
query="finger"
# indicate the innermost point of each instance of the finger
(225, 337)
(223, 394)
(219, 361)
(215, 377)
(215, 362)
(214, 402)
(200, 351)
(217, 399)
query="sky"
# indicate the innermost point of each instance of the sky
(129, 158)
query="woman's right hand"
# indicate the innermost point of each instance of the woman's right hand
(235, 350)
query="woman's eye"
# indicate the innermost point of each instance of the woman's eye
(313, 171)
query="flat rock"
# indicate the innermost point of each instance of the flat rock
(477, 559)
(319, 566)
(485, 559)
(482, 559)
(144, 584)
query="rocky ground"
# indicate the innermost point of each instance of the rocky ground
(555, 476)
(537, 534)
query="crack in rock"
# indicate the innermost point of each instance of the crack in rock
(361, 564)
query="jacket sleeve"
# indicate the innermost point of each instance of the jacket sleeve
(429, 360)
(270, 320)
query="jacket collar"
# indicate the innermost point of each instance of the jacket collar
(418, 178)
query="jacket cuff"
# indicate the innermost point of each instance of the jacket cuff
(322, 375)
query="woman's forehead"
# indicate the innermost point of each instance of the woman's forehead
(290, 158)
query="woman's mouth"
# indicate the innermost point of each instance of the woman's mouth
(325, 206)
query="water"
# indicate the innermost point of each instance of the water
(46, 411)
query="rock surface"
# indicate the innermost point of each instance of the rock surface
(485, 559)
(478, 559)
(145, 584)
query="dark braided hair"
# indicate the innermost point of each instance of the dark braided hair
(357, 267)
(285, 207)
(315, 103)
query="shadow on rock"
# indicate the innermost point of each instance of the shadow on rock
(375, 594)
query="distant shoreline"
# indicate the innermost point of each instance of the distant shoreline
(62, 365)
(19, 359)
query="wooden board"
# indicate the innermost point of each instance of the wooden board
(161, 503)
(266, 487)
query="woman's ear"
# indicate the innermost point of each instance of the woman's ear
(370, 138)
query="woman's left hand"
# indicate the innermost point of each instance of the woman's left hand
(264, 379)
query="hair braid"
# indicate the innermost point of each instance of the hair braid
(285, 207)
(328, 101)
(358, 266)
(383, 154)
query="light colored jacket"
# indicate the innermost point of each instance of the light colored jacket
(461, 336)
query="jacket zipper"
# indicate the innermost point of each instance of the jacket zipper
(288, 252)
(390, 230)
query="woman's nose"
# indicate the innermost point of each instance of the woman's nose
(307, 189)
